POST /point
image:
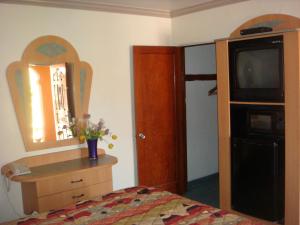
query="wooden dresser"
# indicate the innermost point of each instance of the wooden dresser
(63, 178)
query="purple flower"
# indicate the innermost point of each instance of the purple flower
(101, 124)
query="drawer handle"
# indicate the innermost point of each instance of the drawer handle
(77, 196)
(76, 181)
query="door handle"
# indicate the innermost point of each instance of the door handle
(142, 136)
(76, 181)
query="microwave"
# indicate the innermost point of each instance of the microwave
(270, 122)
(253, 120)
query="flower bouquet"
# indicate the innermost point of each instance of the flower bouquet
(91, 132)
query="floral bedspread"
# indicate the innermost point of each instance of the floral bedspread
(138, 206)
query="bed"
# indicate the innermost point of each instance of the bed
(138, 205)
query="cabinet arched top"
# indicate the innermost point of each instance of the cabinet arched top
(278, 22)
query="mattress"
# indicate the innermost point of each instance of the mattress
(135, 206)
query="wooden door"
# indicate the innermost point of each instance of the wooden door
(160, 117)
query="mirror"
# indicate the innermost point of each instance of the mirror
(49, 87)
(52, 102)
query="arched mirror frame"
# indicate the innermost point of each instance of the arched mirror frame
(47, 50)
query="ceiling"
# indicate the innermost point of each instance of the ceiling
(160, 8)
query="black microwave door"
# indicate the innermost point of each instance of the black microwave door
(257, 178)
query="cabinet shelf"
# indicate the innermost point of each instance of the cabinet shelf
(257, 103)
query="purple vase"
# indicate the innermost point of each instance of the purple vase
(92, 146)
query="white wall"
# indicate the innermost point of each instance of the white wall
(201, 113)
(206, 26)
(102, 39)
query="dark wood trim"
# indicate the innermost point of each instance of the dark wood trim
(193, 77)
(201, 44)
(181, 120)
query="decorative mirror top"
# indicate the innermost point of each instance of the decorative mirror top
(51, 49)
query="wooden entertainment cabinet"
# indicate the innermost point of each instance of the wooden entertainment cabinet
(288, 27)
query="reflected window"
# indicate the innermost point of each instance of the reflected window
(62, 115)
(51, 108)
(38, 129)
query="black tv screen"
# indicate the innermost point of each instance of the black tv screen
(258, 68)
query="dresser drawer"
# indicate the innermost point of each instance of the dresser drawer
(72, 181)
(63, 199)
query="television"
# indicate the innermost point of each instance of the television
(256, 70)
